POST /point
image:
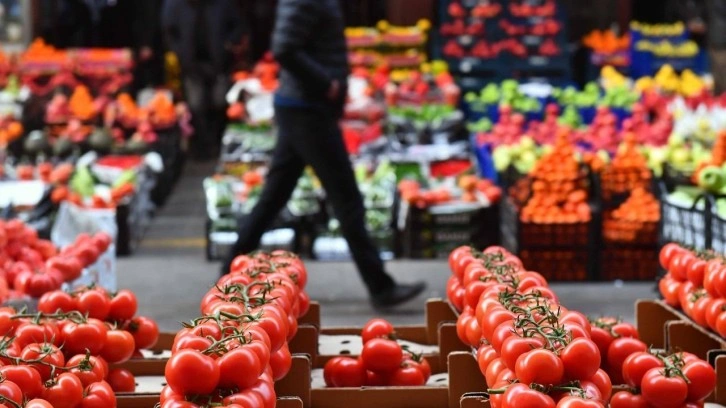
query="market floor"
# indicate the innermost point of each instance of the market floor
(169, 273)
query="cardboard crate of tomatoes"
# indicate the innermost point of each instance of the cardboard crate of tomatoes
(525, 338)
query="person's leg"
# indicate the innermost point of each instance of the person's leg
(285, 170)
(195, 94)
(320, 144)
(718, 68)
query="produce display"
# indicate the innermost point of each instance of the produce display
(31, 266)
(535, 352)
(63, 355)
(496, 38)
(239, 346)
(388, 45)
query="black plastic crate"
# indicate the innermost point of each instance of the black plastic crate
(563, 252)
(687, 225)
(430, 234)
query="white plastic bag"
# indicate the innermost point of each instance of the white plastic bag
(72, 221)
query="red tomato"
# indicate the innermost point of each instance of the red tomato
(381, 355)
(35, 284)
(26, 377)
(473, 333)
(52, 302)
(281, 362)
(696, 272)
(119, 346)
(540, 367)
(38, 403)
(376, 328)
(329, 369)
(144, 330)
(244, 399)
(123, 306)
(407, 377)
(69, 267)
(620, 349)
(348, 372)
(520, 395)
(603, 383)
(11, 391)
(626, 330)
(46, 354)
(239, 368)
(702, 379)
(715, 308)
(578, 402)
(484, 356)
(494, 369)
(29, 333)
(98, 395)
(667, 253)
(698, 311)
(679, 265)
(191, 372)
(581, 359)
(515, 346)
(602, 338)
(662, 391)
(94, 303)
(84, 336)
(625, 399)
(66, 391)
(501, 333)
(89, 370)
(636, 365)
(121, 380)
(493, 320)
(421, 365)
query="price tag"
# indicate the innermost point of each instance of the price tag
(538, 61)
(466, 66)
(532, 40)
(466, 40)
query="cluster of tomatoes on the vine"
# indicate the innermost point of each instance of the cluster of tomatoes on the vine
(383, 362)
(695, 282)
(60, 356)
(534, 352)
(233, 353)
(33, 266)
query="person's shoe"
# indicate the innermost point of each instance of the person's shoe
(397, 295)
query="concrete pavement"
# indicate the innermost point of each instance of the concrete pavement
(169, 273)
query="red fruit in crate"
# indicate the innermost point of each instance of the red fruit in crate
(453, 49)
(456, 10)
(476, 28)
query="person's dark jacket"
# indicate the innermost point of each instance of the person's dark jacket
(309, 43)
(224, 25)
(716, 23)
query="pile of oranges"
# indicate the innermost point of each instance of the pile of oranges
(559, 193)
(628, 170)
(635, 220)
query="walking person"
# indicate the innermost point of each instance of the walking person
(205, 35)
(309, 43)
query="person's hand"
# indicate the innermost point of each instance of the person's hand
(697, 26)
(146, 53)
(334, 90)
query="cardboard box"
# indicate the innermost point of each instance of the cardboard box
(463, 374)
(664, 327)
(436, 339)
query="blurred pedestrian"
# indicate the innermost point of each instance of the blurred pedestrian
(309, 43)
(205, 35)
(716, 38)
(148, 44)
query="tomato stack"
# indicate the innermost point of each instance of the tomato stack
(383, 362)
(696, 283)
(235, 351)
(60, 357)
(33, 266)
(534, 352)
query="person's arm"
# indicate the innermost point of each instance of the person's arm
(170, 24)
(296, 20)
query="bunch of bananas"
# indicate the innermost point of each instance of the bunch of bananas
(659, 30)
(666, 48)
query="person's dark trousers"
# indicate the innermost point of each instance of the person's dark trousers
(312, 136)
(205, 95)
